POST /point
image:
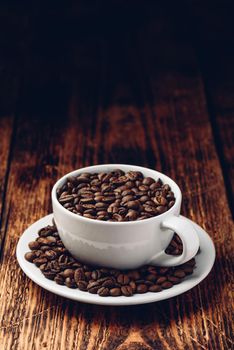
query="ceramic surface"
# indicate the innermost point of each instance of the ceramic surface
(125, 245)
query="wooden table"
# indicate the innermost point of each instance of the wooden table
(106, 83)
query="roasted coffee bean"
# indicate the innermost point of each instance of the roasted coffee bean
(173, 279)
(82, 285)
(148, 181)
(56, 263)
(143, 188)
(188, 270)
(68, 273)
(109, 282)
(66, 199)
(150, 209)
(50, 254)
(131, 215)
(141, 288)
(123, 279)
(151, 277)
(30, 256)
(179, 273)
(93, 284)
(160, 209)
(89, 216)
(70, 283)
(34, 245)
(127, 291)
(166, 285)
(171, 203)
(108, 199)
(134, 274)
(103, 292)
(39, 261)
(96, 274)
(134, 175)
(161, 280)
(59, 279)
(79, 275)
(50, 275)
(93, 290)
(115, 292)
(155, 288)
(133, 204)
(163, 270)
(117, 217)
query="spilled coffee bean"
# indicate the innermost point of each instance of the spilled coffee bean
(115, 196)
(56, 263)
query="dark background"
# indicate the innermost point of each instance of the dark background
(51, 51)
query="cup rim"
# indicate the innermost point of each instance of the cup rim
(61, 180)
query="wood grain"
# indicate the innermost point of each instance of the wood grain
(6, 139)
(139, 104)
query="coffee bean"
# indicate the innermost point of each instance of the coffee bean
(39, 261)
(148, 181)
(133, 204)
(93, 290)
(108, 199)
(154, 186)
(103, 291)
(131, 215)
(68, 273)
(50, 254)
(179, 273)
(161, 280)
(173, 279)
(59, 279)
(82, 285)
(30, 256)
(95, 275)
(171, 203)
(163, 270)
(143, 188)
(134, 175)
(142, 288)
(188, 270)
(151, 278)
(79, 275)
(150, 209)
(143, 199)
(166, 285)
(89, 216)
(115, 292)
(70, 283)
(160, 209)
(134, 274)
(109, 282)
(34, 245)
(127, 291)
(123, 279)
(66, 199)
(155, 288)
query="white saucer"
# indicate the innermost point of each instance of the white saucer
(204, 262)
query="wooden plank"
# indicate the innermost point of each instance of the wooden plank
(214, 44)
(143, 108)
(6, 142)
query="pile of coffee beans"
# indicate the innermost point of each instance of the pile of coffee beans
(56, 263)
(115, 196)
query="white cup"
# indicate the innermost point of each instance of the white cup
(125, 245)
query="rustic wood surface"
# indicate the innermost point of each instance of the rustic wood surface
(143, 92)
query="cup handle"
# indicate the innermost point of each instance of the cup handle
(188, 236)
